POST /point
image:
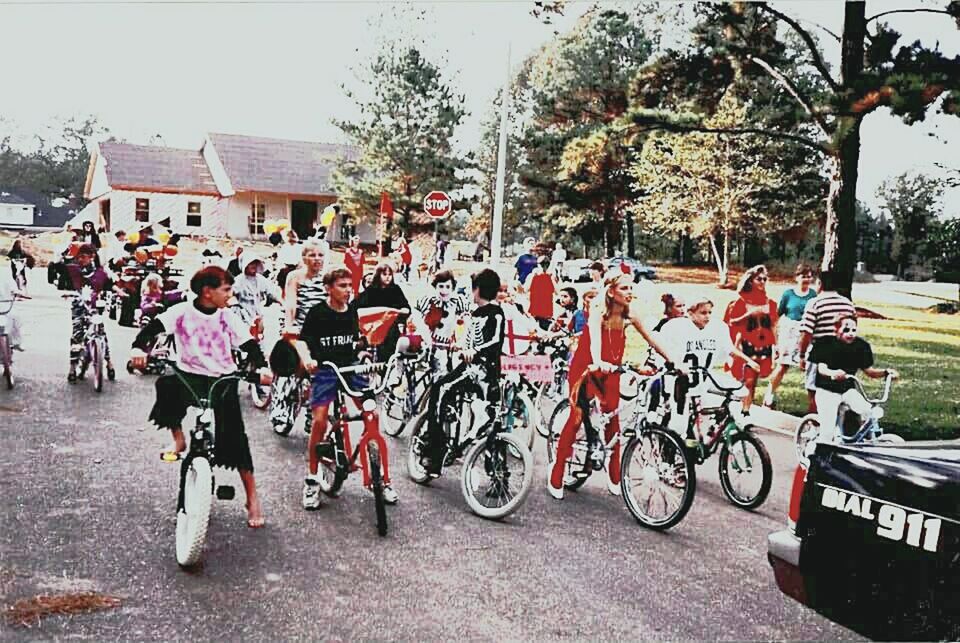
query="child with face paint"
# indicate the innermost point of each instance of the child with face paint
(838, 358)
(436, 317)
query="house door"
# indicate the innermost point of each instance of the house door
(303, 217)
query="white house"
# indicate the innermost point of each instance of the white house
(228, 187)
(15, 211)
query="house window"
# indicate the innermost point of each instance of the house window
(143, 210)
(258, 215)
(347, 228)
(193, 214)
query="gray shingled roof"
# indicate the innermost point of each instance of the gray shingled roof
(277, 165)
(9, 197)
(156, 168)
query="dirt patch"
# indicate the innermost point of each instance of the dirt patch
(27, 612)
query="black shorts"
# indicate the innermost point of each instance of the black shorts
(174, 396)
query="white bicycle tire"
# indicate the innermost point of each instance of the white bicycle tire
(194, 518)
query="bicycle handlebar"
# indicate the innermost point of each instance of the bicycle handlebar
(887, 385)
(362, 369)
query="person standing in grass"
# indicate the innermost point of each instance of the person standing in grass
(792, 303)
(819, 321)
(752, 319)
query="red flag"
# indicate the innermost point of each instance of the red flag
(386, 205)
(376, 321)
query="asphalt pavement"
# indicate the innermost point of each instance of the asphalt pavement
(89, 506)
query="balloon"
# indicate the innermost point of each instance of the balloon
(156, 251)
(327, 217)
(133, 237)
(163, 237)
(170, 251)
(74, 249)
(270, 227)
(283, 224)
(141, 255)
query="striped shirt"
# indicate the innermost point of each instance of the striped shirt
(310, 292)
(822, 312)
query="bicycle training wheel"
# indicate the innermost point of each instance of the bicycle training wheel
(807, 431)
(496, 476)
(745, 470)
(376, 485)
(576, 470)
(659, 479)
(194, 516)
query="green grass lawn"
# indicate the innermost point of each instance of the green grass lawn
(923, 347)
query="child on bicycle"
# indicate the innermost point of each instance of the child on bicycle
(85, 273)
(838, 358)
(331, 332)
(699, 344)
(593, 375)
(484, 342)
(436, 317)
(206, 333)
(151, 298)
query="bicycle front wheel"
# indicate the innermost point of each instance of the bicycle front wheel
(376, 485)
(398, 403)
(194, 516)
(496, 476)
(332, 475)
(96, 358)
(745, 470)
(659, 478)
(414, 469)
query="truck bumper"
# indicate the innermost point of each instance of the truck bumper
(783, 552)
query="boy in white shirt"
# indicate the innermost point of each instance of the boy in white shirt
(700, 344)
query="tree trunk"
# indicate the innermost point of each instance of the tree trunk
(726, 257)
(631, 240)
(720, 261)
(840, 235)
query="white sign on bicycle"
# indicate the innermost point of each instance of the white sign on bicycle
(536, 368)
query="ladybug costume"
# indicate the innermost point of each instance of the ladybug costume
(756, 333)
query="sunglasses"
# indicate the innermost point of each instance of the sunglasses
(760, 278)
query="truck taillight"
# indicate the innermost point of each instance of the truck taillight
(796, 494)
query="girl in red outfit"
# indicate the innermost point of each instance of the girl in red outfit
(353, 261)
(752, 319)
(598, 354)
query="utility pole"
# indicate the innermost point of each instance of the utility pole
(496, 232)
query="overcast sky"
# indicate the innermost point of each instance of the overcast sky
(181, 69)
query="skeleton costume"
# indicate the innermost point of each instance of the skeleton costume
(485, 337)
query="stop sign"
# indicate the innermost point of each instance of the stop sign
(437, 204)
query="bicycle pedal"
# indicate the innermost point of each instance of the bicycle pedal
(170, 456)
(581, 475)
(629, 433)
(225, 492)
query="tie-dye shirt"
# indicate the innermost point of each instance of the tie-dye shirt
(205, 341)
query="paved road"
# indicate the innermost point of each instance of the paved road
(88, 505)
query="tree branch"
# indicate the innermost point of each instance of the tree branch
(887, 13)
(811, 44)
(670, 127)
(795, 92)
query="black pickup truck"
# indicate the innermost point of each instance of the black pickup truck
(873, 538)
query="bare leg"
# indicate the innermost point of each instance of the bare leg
(777, 377)
(750, 377)
(254, 509)
(811, 402)
(318, 432)
(179, 442)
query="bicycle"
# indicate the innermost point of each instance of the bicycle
(714, 427)
(521, 417)
(95, 337)
(292, 395)
(486, 449)
(197, 484)
(657, 481)
(556, 390)
(407, 391)
(6, 349)
(337, 458)
(869, 429)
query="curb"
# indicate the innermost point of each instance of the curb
(775, 421)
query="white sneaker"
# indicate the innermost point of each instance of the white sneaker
(768, 399)
(311, 494)
(613, 488)
(389, 495)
